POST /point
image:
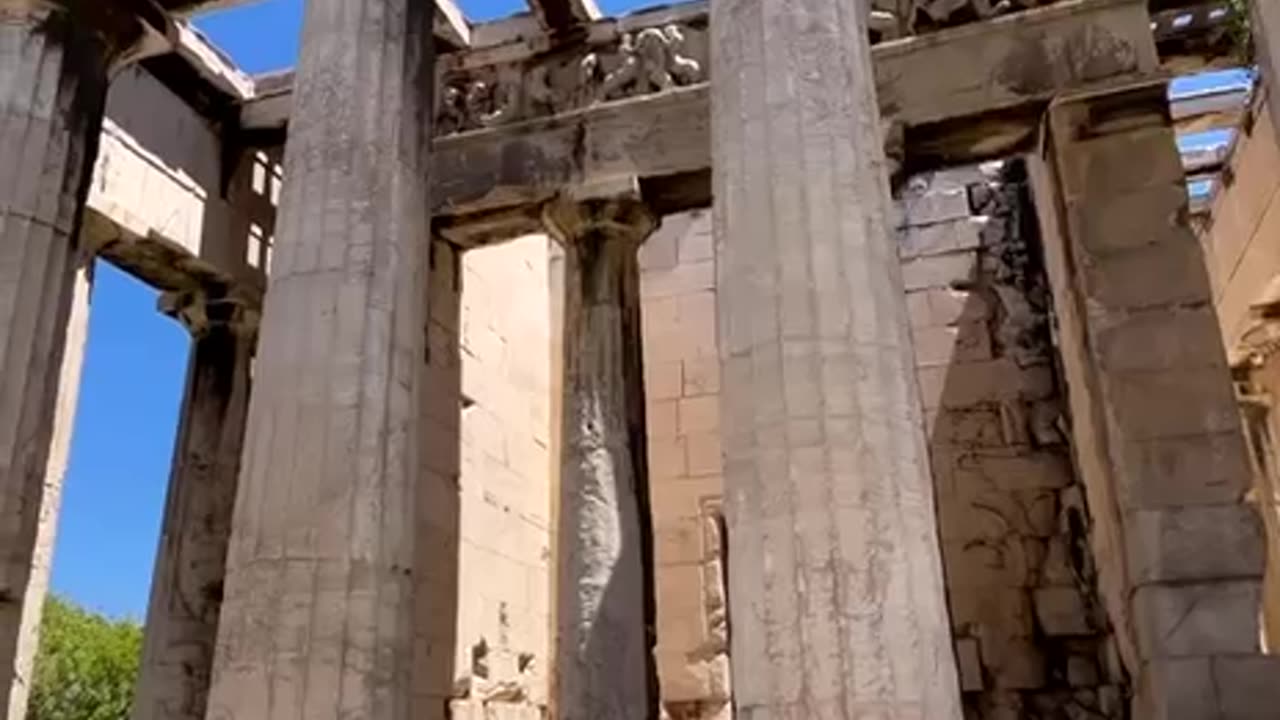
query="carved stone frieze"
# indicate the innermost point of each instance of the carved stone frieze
(655, 52)
(624, 64)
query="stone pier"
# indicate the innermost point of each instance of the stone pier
(318, 616)
(837, 601)
(1155, 424)
(53, 81)
(186, 589)
(603, 611)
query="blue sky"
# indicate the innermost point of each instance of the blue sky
(136, 366)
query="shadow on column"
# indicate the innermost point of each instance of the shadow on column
(1029, 633)
(436, 587)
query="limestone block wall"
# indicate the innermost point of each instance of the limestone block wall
(682, 385)
(504, 486)
(1031, 639)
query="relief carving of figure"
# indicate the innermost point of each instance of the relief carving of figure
(489, 105)
(452, 117)
(651, 61)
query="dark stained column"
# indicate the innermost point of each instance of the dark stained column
(603, 653)
(54, 58)
(318, 617)
(186, 589)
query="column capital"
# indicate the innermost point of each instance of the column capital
(202, 313)
(610, 214)
(128, 29)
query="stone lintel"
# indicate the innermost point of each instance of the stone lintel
(162, 263)
(987, 103)
(999, 76)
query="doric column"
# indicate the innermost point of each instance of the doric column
(76, 341)
(603, 594)
(54, 58)
(317, 619)
(837, 602)
(186, 588)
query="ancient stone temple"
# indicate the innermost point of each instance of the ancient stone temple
(837, 359)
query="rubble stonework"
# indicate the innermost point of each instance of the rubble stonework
(1031, 638)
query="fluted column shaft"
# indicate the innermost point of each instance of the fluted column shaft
(53, 81)
(836, 588)
(317, 620)
(186, 588)
(603, 662)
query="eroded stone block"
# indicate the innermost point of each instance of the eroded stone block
(1197, 618)
(1194, 543)
(1062, 611)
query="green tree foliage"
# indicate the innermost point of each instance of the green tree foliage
(1239, 31)
(86, 666)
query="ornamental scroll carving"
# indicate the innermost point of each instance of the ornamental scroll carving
(637, 62)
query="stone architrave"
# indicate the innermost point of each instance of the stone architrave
(54, 61)
(186, 589)
(318, 616)
(603, 653)
(837, 600)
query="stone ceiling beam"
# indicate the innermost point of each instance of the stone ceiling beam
(563, 14)
(451, 24)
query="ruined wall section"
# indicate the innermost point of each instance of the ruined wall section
(1031, 638)
(502, 645)
(682, 386)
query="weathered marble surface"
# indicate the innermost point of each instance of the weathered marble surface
(53, 82)
(318, 618)
(602, 592)
(187, 586)
(837, 602)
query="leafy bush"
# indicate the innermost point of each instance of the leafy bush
(86, 666)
